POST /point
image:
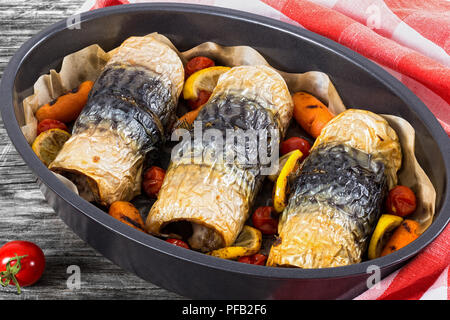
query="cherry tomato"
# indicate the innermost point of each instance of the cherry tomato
(401, 201)
(153, 180)
(48, 124)
(264, 221)
(21, 264)
(258, 259)
(178, 242)
(203, 97)
(198, 63)
(295, 143)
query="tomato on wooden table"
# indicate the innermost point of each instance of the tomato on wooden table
(21, 264)
(264, 220)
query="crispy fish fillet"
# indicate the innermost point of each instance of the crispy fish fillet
(125, 120)
(204, 198)
(338, 194)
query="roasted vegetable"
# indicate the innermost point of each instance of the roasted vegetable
(385, 226)
(188, 119)
(49, 143)
(257, 259)
(280, 192)
(127, 213)
(66, 108)
(198, 63)
(178, 242)
(281, 162)
(204, 196)
(264, 220)
(48, 124)
(338, 194)
(310, 113)
(125, 121)
(406, 233)
(202, 82)
(203, 97)
(295, 143)
(247, 243)
(153, 180)
(401, 201)
(199, 85)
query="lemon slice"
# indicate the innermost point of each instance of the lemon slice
(247, 243)
(48, 144)
(279, 195)
(281, 162)
(386, 224)
(205, 79)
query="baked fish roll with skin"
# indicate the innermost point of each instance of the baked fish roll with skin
(125, 121)
(338, 193)
(206, 199)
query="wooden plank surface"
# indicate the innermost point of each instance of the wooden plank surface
(24, 213)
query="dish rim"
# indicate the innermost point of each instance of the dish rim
(190, 256)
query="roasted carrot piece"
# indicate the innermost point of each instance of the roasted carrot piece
(406, 233)
(127, 213)
(310, 113)
(189, 117)
(67, 107)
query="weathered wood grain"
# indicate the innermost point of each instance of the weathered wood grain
(24, 213)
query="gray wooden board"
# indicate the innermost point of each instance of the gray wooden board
(24, 213)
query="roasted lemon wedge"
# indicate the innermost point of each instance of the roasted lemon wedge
(281, 162)
(205, 79)
(279, 194)
(48, 144)
(385, 226)
(247, 243)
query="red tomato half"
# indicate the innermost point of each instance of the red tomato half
(153, 180)
(198, 63)
(264, 221)
(203, 97)
(258, 259)
(178, 242)
(401, 201)
(295, 143)
(48, 124)
(31, 259)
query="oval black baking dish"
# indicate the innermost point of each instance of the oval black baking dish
(189, 273)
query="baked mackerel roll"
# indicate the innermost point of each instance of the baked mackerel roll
(337, 197)
(124, 122)
(205, 199)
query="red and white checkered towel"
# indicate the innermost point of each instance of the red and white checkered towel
(411, 40)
